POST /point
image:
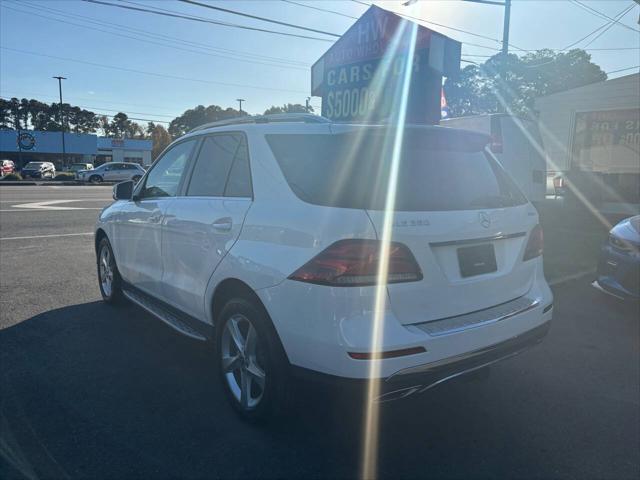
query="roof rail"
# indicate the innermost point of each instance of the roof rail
(273, 118)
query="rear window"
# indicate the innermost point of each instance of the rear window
(437, 170)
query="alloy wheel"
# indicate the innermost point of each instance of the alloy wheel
(241, 360)
(105, 267)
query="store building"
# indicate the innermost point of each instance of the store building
(591, 136)
(123, 150)
(23, 146)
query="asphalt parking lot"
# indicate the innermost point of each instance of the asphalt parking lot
(92, 391)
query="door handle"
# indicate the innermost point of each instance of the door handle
(222, 224)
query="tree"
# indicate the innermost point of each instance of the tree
(121, 127)
(200, 115)
(481, 89)
(160, 138)
(6, 121)
(288, 108)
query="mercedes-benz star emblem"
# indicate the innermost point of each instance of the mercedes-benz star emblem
(485, 219)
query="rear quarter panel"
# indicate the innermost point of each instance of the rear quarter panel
(281, 232)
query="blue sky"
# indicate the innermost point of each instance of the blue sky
(264, 69)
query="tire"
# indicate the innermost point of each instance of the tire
(254, 374)
(95, 179)
(109, 279)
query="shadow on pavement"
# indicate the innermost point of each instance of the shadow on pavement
(93, 391)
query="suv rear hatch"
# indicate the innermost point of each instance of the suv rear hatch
(459, 213)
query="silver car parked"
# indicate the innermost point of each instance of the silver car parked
(112, 172)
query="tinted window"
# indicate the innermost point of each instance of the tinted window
(163, 179)
(437, 170)
(239, 183)
(222, 163)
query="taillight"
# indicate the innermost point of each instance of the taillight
(558, 182)
(535, 244)
(354, 263)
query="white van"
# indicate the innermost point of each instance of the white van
(517, 144)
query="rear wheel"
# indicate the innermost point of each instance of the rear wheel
(251, 363)
(95, 179)
(108, 276)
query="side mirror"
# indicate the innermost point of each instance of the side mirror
(123, 190)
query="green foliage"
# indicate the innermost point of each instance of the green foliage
(12, 177)
(288, 108)
(36, 115)
(121, 127)
(199, 116)
(480, 88)
(160, 138)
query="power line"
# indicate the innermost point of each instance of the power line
(624, 69)
(96, 99)
(256, 17)
(600, 14)
(119, 111)
(619, 15)
(609, 26)
(155, 74)
(93, 28)
(229, 54)
(455, 29)
(320, 9)
(206, 20)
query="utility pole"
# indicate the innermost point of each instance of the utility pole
(505, 36)
(64, 161)
(240, 100)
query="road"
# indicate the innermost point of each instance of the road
(93, 391)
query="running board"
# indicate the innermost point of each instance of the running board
(162, 313)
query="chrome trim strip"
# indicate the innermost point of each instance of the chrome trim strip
(500, 236)
(497, 313)
(538, 333)
(160, 314)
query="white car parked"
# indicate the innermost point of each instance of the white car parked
(112, 172)
(264, 235)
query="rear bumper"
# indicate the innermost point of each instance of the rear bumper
(418, 379)
(330, 330)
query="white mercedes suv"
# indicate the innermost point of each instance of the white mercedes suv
(266, 234)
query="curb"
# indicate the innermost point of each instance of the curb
(573, 276)
(70, 183)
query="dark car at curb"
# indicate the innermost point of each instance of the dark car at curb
(619, 262)
(38, 170)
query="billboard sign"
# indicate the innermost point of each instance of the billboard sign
(607, 141)
(361, 77)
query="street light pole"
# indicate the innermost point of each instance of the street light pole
(240, 100)
(61, 120)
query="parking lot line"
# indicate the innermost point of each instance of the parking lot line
(48, 236)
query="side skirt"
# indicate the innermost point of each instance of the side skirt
(183, 323)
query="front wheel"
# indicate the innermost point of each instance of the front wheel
(108, 275)
(95, 179)
(251, 363)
